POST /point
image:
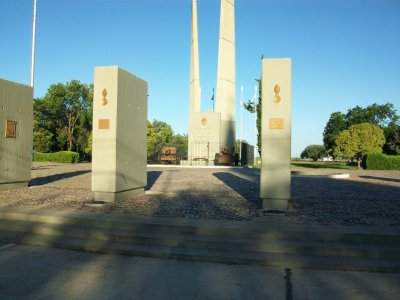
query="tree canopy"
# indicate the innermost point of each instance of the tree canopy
(384, 116)
(358, 140)
(313, 152)
(63, 117)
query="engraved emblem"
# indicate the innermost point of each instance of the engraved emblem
(277, 90)
(11, 129)
(104, 97)
(204, 121)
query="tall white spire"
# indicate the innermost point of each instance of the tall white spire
(226, 75)
(194, 64)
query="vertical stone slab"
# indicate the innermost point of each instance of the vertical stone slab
(276, 133)
(226, 74)
(16, 134)
(119, 158)
(204, 136)
(195, 100)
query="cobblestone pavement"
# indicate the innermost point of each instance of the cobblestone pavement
(366, 198)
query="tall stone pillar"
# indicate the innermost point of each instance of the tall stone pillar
(226, 77)
(195, 100)
(119, 160)
(276, 133)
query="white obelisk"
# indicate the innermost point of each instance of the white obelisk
(226, 86)
(194, 64)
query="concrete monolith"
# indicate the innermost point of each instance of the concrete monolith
(275, 179)
(119, 159)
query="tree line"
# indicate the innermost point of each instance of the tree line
(361, 130)
(62, 121)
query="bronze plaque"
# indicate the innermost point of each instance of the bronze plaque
(11, 129)
(276, 123)
(104, 124)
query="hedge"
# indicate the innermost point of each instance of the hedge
(379, 161)
(59, 157)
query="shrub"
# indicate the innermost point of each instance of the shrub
(379, 161)
(59, 157)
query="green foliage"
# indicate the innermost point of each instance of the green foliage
(379, 161)
(59, 157)
(313, 152)
(335, 125)
(159, 134)
(63, 117)
(180, 141)
(383, 116)
(254, 107)
(359, 140)
(42, 140)
(392, 134)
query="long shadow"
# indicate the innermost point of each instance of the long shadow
(381, 178)
(246, 188)
(56, 177)
(152, 177)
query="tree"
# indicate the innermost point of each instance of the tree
(313, 152)
(381, 115)
(392, 145)
(180, 141)
(359, 140)
(159, 133)
(65, 112)
(335, 125)
(254, 107)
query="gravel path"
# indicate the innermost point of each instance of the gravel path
(366, 198)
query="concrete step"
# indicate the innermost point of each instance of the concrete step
(209, 228)
(190, 240)
(181, 252)
(283, 245)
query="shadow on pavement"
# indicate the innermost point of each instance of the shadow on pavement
(56, 177)
(246, 188)
(152, 177)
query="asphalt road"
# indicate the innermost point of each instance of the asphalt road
(42, 273)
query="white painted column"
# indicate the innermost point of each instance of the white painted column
(195, 98)
(226, 74)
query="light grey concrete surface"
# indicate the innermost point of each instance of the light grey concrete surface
(40, 273)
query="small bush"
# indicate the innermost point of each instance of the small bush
(379, 161)
(59, 157)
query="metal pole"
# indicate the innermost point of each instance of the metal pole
(33, 43)
(255, 121)
(241, 124)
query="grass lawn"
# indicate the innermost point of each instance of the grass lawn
(323, 165)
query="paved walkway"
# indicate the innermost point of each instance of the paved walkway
(42, 273)
(366, 198)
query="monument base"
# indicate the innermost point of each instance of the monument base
(118, 196)
(275, 204)
(13, 185)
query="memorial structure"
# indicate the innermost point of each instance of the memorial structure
(211, 131)
(16, 134)
(275, 180)
(119, 156)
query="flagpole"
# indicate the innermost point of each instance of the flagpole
(241, 125)
(33, 43)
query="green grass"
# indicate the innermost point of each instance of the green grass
(324, 165)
